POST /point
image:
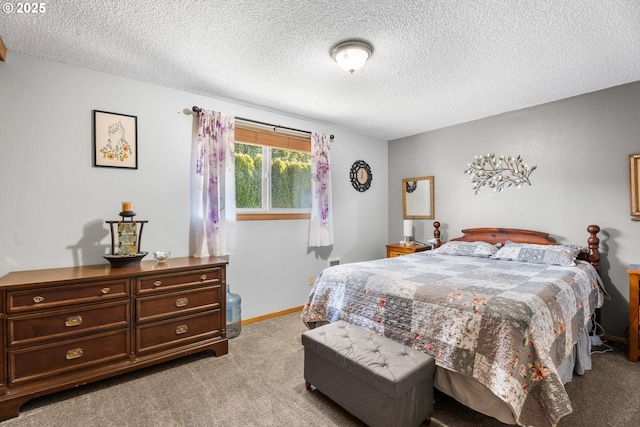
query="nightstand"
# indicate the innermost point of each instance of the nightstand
(397, 249)
(634, 279)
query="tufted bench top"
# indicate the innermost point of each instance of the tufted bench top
(391, 367)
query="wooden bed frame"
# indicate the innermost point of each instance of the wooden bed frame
(501, 235)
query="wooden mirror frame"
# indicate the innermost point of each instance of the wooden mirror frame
(417, 204)
(634, 181)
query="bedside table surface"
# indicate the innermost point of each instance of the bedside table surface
(396, 249)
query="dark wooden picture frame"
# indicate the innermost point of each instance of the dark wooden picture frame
(115, 140)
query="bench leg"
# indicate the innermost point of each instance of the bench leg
(308, 385)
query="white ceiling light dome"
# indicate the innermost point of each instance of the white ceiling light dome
(351, 55)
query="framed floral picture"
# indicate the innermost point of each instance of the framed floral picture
(115, 140)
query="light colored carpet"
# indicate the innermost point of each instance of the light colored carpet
(260, 383)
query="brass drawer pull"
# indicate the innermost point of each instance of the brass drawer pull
(203, 277)
(182, 329)
(157, 283)
(73, 321)
(74, 353)
(105, 290)
(182, 302)
(38, 299)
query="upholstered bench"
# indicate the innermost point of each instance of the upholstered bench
(378, 380)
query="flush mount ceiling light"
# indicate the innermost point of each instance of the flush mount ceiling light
(351, 55)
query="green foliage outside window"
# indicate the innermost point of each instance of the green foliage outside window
(290, 178)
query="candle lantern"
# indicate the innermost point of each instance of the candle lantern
(126, 236)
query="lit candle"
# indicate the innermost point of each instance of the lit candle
(127, 206)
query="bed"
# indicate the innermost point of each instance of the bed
(505, 312)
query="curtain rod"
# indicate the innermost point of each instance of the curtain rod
(197, 110)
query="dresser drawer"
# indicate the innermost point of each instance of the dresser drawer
(69, 357)
(178, 303)
(60, 296)
(61, 324)
(176, 332)
(166, 282)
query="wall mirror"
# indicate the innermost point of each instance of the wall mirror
(634, 181)
(417, 198)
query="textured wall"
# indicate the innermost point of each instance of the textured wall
(580, 146)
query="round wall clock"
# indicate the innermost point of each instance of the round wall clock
(361, 175)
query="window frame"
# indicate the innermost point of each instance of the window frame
(248, 133)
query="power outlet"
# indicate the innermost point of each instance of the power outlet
(311, 280)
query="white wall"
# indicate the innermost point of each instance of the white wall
(54, 202)
(581, 147)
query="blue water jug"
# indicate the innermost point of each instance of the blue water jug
(233, 313)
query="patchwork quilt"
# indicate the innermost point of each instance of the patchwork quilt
(508, 324)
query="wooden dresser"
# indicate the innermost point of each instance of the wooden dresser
(397, 249)
(66, 327)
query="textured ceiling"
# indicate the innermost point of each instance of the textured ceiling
(435, 62)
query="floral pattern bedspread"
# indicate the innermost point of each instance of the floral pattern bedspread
(507, 324)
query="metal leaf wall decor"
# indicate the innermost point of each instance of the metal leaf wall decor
(498, 172)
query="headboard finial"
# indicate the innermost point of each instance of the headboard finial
(594, 242)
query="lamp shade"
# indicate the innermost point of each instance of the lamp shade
(408, 228)
(351, 55)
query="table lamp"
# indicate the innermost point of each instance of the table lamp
(408, 231)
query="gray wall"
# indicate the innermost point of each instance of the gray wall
(580, 146)
(54, 203)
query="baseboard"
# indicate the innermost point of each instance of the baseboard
(272, 315)
(615, 339)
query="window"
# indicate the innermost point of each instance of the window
(273, 175)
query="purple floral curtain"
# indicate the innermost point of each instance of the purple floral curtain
(215, 205)
(321, 224)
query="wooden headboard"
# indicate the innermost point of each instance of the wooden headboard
(500, 235)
